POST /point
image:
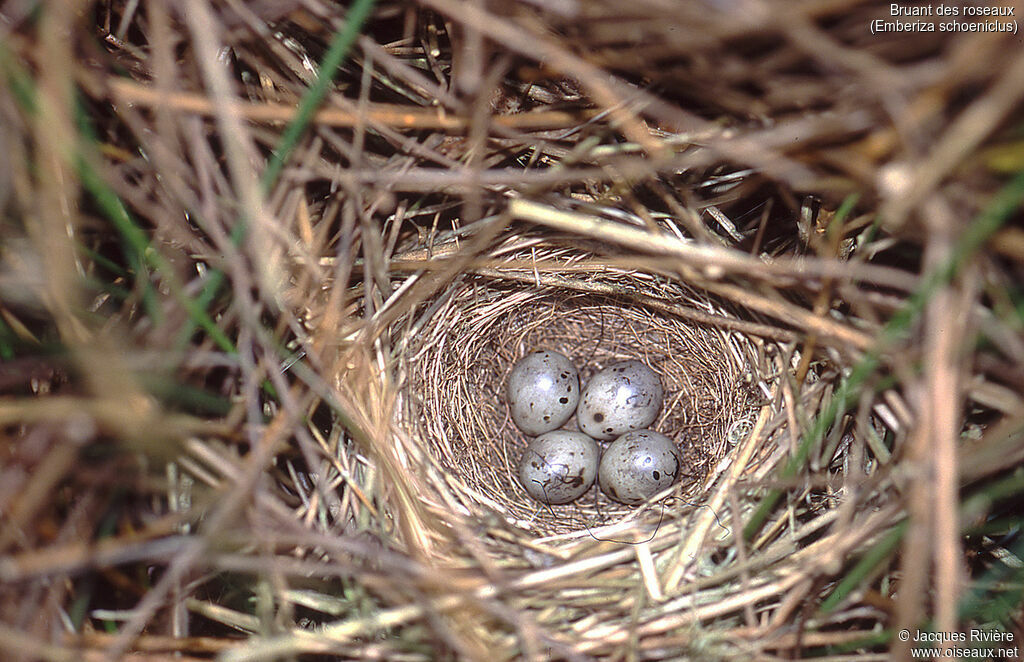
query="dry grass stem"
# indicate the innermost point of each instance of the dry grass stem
(265, 268)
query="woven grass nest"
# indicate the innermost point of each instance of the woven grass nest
(464, 348)
(588, 569)
(454, 354)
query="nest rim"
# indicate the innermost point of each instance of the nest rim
(509, 318)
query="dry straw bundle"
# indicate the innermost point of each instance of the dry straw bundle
(266, 267)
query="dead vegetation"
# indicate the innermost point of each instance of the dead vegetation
(264, 266)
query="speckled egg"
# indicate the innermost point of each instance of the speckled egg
(638, 465)
(622, 397)
(558, 467)
(542, 391)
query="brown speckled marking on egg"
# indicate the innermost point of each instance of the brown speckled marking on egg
(542, 391)
(559, 466)
(624, 396)
(638, 465)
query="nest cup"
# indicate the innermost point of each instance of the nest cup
(458, 360)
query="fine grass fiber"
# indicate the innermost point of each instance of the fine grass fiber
(265, 268)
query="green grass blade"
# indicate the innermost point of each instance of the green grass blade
(8, 342)
(998, 594)
(881, 551)
(336, 53)
(984, 226)
(134, 239)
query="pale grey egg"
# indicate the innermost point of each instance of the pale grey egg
(542, 391)
(638, 465)
(559, 466)
(622, 397)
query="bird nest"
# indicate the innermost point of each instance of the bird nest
(457, 362)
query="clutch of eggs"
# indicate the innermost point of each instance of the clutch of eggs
(559, 466)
